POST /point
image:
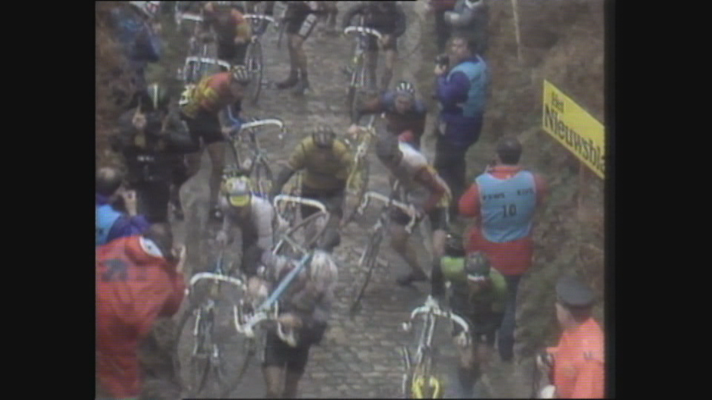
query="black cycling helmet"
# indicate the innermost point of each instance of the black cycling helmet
(387, 147)
(323, 137)
(158, 96)
(477, 266)
(453, 246)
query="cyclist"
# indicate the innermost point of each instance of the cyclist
(113, 223)
(134, 29)
(469, 18)
(503, 201)
(305, 307)
(300, 20)
(207, 109)
(138, 279)
(388, 18)
(578, 361)
(327, 161)
(478, 295)
(423, 188)
(153, 141)
(252, 214)
(405, 115)
(233, 31)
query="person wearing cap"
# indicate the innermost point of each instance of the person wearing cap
(305, 307)
(327, 162)
(254, 216)
(138, 279)
(478, 294)
(111, 222)
(461, 90)
(502, 202)
(405, 114)
(578, 360)
(207, 109)
(469, 18)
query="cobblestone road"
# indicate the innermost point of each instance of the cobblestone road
(359, 357)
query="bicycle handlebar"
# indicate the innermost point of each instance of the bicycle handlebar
(431, 306)
(191, 17)
(247, 328)
(363, 29)
(260, 17)
(301, 200)
(407, 208)
(206, 60)
(215, 277)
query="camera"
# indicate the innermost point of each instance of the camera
(442, 60)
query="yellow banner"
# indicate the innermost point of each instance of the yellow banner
(573, 127)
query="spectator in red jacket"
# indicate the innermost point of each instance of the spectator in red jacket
(503, 201)
(138, 278)
(442, 29)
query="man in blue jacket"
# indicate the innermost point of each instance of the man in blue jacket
(134, 29)
(462, 93)
(111, 223)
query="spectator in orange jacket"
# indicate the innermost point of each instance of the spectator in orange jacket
(503, 201)
(578, 360)
(138, 278)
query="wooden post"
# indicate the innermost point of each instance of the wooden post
(580, 209)
(516, 30)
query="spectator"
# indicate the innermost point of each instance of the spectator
(469, 19)
(442, 29)
(462, 93)
(503, 201)
(111, 223)
(138, 278)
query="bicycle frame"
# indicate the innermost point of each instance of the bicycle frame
(389, 202)
(258, 154)
(420, 370)
(361, 37)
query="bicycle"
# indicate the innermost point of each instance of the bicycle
(369, 255)
(312, 227)
(253, 161)
(206, 362)
(357, 181)
(420, 379)
(253, 55)
(359, 74)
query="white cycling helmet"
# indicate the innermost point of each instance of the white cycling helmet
(322, 270)
(150, 8)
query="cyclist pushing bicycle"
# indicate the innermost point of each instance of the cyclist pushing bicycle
(252, 214)
(388, 18)
(405, 114)
(327, 161)
(305, 306)
(422, 187)
(478, 294)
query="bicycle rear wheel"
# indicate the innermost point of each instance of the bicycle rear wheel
(366, 265)
(253, 61)
(355, 190)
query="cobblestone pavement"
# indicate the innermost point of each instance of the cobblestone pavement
(359, 357)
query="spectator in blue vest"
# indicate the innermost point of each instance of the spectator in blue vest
(137, 34)
(462, 93)
(111, 223)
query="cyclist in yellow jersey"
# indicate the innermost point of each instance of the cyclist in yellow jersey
(327, 162)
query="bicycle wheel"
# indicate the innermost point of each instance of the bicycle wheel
(253, 60)
(355, 190)
(367, 263)
(205, 350)
(356, 86)
(263, 179)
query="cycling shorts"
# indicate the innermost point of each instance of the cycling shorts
(302, 25)
(205, 128)
(278, 354)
